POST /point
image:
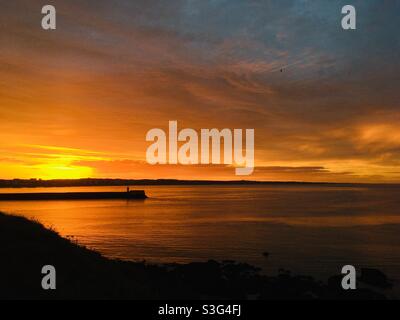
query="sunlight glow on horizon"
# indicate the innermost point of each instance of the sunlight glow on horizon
(74, 163)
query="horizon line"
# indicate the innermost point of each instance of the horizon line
(171, 181)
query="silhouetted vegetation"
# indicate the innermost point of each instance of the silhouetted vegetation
(26, 246)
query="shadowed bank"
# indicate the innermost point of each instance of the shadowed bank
(26, 246)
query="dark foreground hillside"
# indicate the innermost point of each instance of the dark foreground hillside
(26, 246)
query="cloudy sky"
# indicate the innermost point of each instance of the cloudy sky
(78, 101)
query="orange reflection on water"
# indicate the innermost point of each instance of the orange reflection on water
(306, 229)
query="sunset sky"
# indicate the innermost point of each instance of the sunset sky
(77, 102)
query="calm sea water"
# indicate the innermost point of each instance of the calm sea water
(306, 229)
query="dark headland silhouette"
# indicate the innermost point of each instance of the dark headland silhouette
(26, 246)
(87, 182)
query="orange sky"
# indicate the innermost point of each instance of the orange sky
(77, 102)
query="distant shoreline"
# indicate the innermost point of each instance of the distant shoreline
(90, 182)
